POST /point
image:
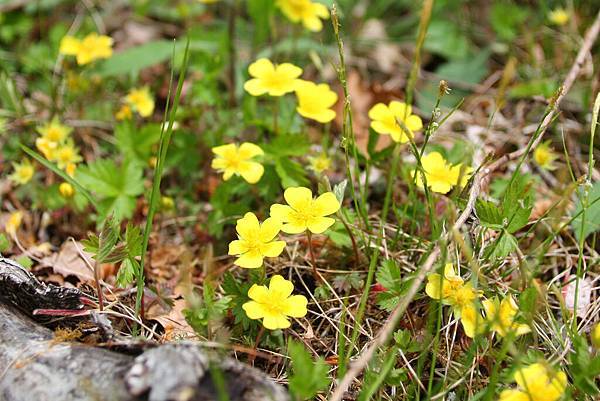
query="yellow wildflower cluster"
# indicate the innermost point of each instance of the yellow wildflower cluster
(139, 100)
(314, 101)
(57, 146)
(257, 241)
(91, 48)
(451, 289)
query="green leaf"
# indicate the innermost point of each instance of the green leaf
(137, 144)
(390, 276)
(287, 145)
(592, 213)
(517, 203)
(505, 245)
(119, 186)
(237, 292)
(308, 377)
(107, 240)
(488, 213)
(292, 173)
(126, 272)
(446, 39)
(4, 243)
(132, 60)
(24, 261)
(466, 70)
(507, 18)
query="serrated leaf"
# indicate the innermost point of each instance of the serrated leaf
(390, 276)
(137, 144)
(127, 271)
(505, 245)
(488, 213)
(292, 174)
(288, 145)
(308, 377)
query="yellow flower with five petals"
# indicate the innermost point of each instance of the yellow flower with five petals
(451, 290)
(308, 12)
(384, 120)
(275, 80)
(537, 382)
(141, 101)
(304, 213)
(93, 47)
(441, 176)
(66, 155)
(315, 101)
(501, 316)
(54, 131)
(274, 304)
(23, 172)
(255, 241)
(233, 160)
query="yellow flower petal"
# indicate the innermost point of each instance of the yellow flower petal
(280, 212)
(248, 226)
(238, 247)
(326, 204)
(249, 150)
(272, 249)
(513, 395)
(255, 87)
(298, 197)
(281, 286)
(69, 46)
(269, 229)
(258, 293)
(274, 322)
(251, 171)
(319, 225)
(254, 310)
(295, 306)
(250, 260)
(261, 68)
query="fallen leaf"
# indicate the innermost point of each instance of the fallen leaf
(68, 262)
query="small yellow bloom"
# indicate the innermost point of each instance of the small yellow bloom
(320, 163)
(93, 47)
(275, 80)
(66, 190)
(596, 336)
(66, 155)
(385, 120)
(440, 175)
(46, 147)
(501, 316)
(13, 223)
(559, 16)
(124, 113)
(23, 172)
(275, 304)
(233, 160)
(70, 169)
(315, 101)
(141, 101)
(544, 156)
(452, 290)
(304, 212)
(537, 382)
(167, 203)
(255, 241)
(307, 12)
(54, 131)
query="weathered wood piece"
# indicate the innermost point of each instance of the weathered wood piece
(34, 366)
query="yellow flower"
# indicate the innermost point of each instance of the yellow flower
(54, 131)
(70, 169)
(255, 241)
(124, 113)
(276, 80)
(441, 176)
(307, 12)
(275, 304)
(66, 155)
(66, 190)
(304, 212)
(13, 223)
(320, 163)
(315, 101)
(23, 172)
(233, 160)
(91, 48)
(596, 336)
(501, 316)
(167, 203)
(141, 101)
(385, 120)
(559, 16)
(544, 156)
(208, 1)
(537, 382)
(452, 290)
